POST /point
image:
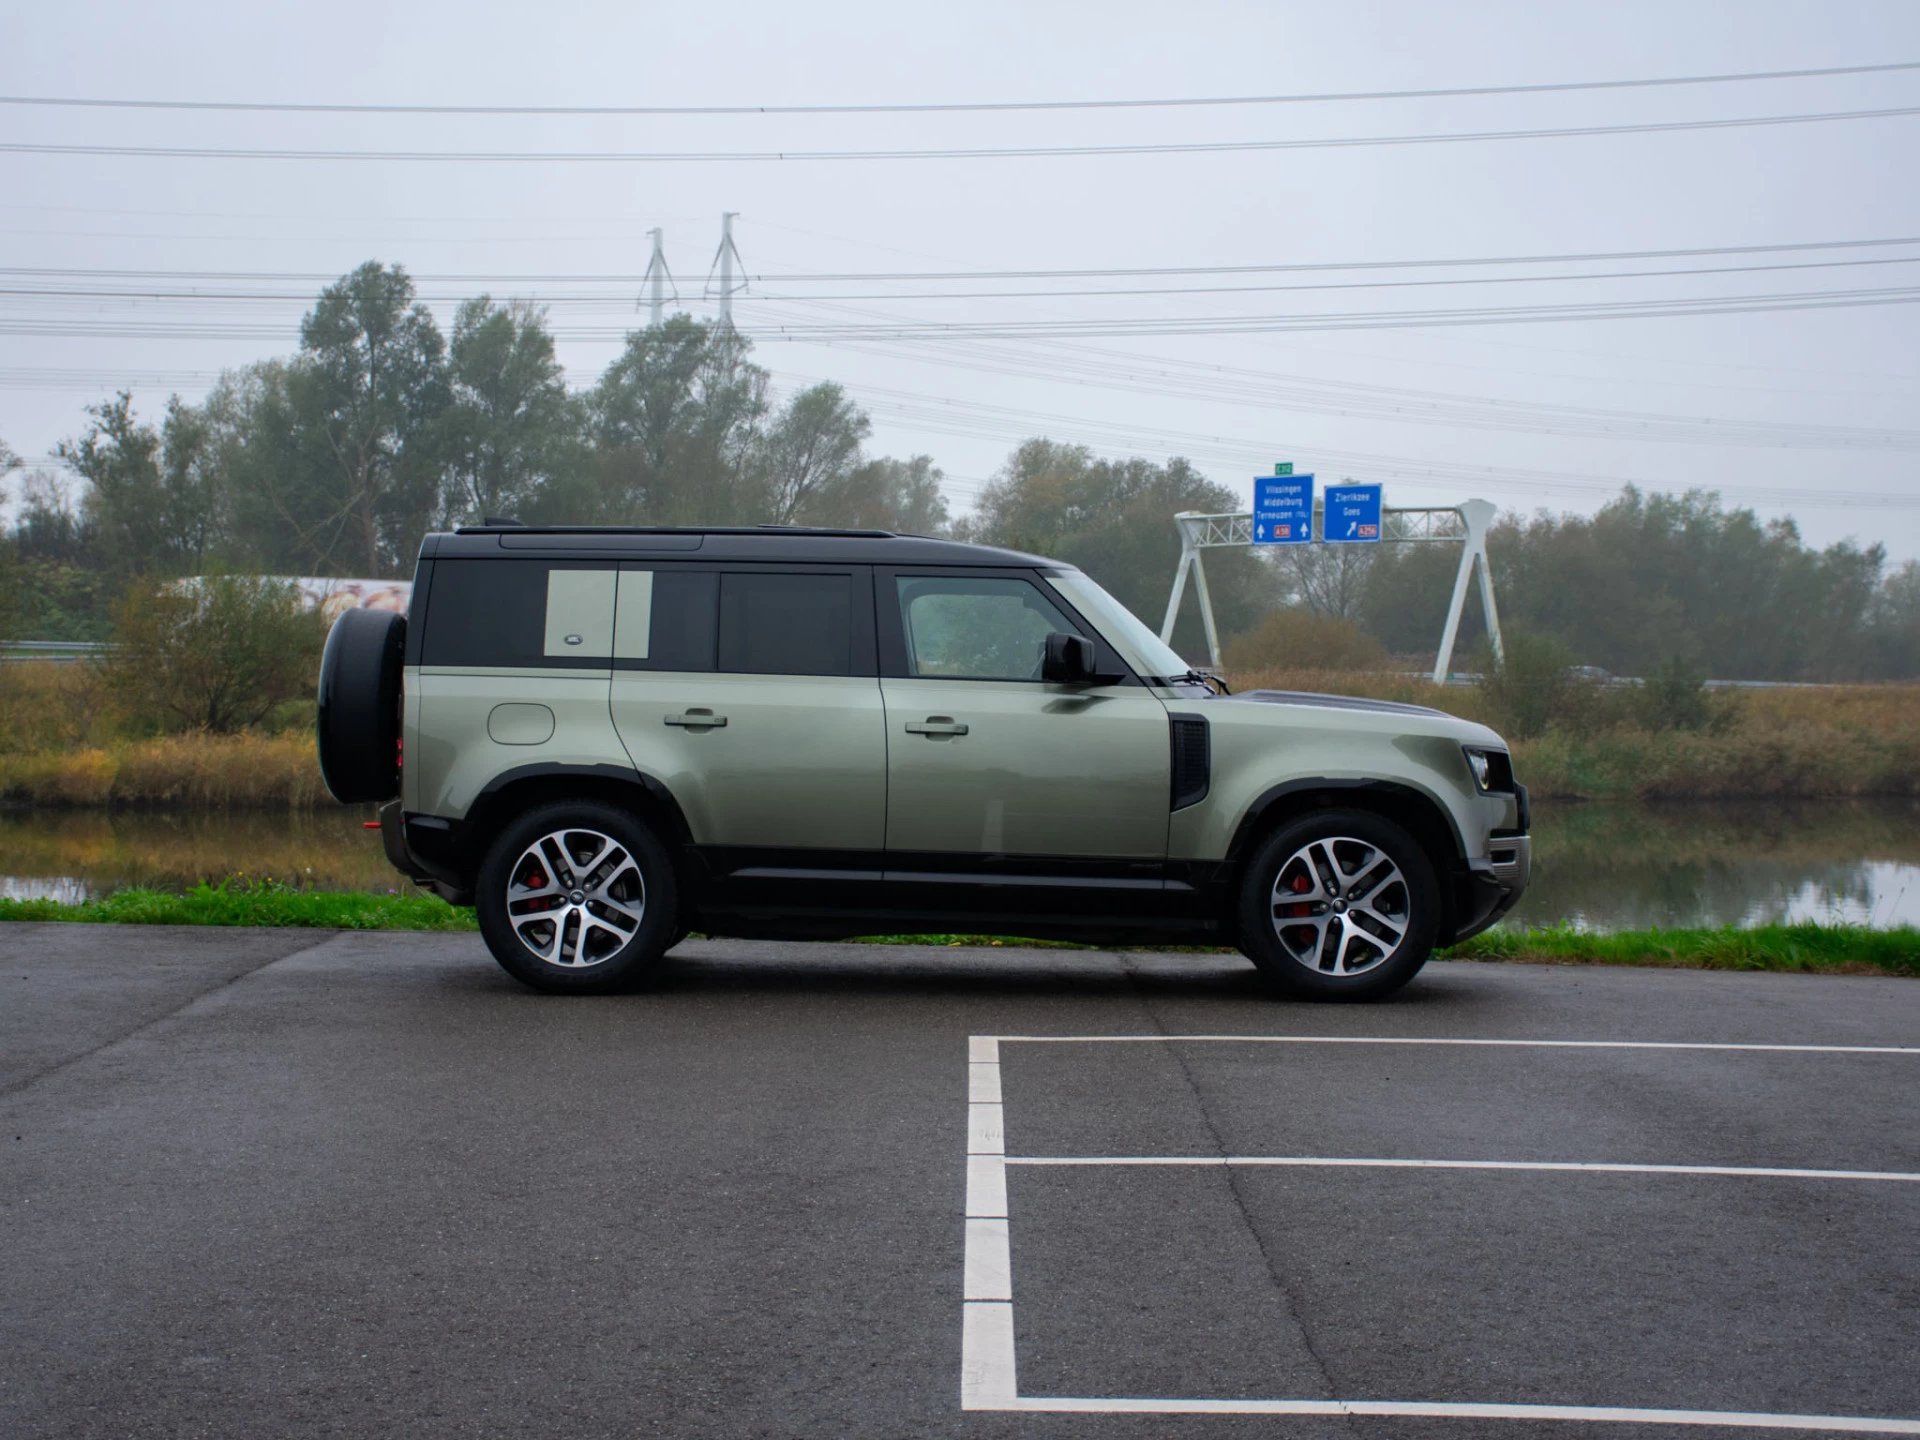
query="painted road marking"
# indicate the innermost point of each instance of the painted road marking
(988, 1375)
(986, 1187)
(1425, 1409)
(1337, 1162)
(983, 1084)
(1418, 1040)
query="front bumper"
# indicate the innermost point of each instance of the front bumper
(1489, 887)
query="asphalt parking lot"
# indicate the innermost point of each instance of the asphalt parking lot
(301, 1184)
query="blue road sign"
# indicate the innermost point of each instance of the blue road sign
(1282, 510)
(1352, 516)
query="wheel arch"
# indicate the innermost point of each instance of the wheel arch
(1414, 810)
(514, 792)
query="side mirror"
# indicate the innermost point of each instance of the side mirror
(1067, 660)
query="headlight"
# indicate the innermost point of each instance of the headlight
(1492, 770)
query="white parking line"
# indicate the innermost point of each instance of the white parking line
(988, 1375)
(1429, 1040)
(1338, 1162)
(1424, 1409)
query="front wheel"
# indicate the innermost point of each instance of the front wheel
(1339, 905)
(577, 898)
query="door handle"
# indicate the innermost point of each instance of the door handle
(698, 719)
(936, 725)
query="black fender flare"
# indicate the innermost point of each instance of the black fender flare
(1436, 819)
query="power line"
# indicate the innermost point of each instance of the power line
(1122, 327)
(98, 293)
(709, 157)
(853, 276)
(932, 107)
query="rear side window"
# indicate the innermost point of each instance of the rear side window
(775, 624)
(519, 614)
(666, 619)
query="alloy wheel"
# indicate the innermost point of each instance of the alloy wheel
(1340, 906)
(575, 898)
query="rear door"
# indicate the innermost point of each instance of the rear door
(750, 692)
(515, 661)
(985, 759)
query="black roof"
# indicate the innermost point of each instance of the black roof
(759, 543)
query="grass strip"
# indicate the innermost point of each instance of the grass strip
(1816, 949)
(1813, 949)
(272, 905)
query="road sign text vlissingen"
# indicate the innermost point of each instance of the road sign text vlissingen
(1352, 516)
(1282, 510)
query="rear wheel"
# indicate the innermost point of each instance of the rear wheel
(1339, 905)
(577, 898)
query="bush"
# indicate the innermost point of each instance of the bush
(1528, 690)
(50, 705)
(1673, 697)
(1302, 640)
(214, 654)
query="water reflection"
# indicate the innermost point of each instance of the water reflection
(1599, 867)
(76, 854)
(1630, 867)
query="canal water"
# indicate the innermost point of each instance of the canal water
(1596, 867)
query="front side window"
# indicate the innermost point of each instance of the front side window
(983, 628)
(778, 624)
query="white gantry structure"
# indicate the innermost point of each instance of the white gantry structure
(1465, 525)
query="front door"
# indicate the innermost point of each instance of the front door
(988, 762)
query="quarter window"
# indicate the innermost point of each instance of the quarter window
(524, 614)
(983, 628)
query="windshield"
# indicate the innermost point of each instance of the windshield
(1154, 657)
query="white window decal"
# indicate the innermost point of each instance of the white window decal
(580, 613)
(633, 615)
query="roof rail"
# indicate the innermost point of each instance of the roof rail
(496, 527)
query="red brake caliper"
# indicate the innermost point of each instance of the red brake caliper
(1300, 885)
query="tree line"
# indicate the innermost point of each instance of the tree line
(1649, 581)
(335, 460)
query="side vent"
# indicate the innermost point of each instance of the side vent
(1192, 761)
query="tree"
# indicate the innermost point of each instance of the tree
(890, 494)
(675, 423)
(9, 567)
(1895, 624)
(215, 654)
(512, 436)
(120, 460)
(1114, 519)
(363, 404)
(1329, 580)
(811, 452)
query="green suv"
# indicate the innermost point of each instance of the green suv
(603, 738)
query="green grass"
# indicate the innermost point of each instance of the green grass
(1821, 949)
(1817, 949)
(267, 904)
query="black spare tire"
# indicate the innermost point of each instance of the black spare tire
(359, 713)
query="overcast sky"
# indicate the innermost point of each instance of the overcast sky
(1833, 389)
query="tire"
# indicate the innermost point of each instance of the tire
(622, 922)
(357, 724)
(1339, 948)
